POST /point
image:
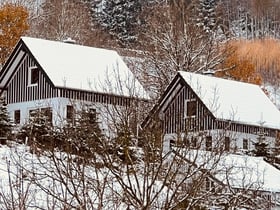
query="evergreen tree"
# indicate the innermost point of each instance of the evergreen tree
(205, 15)
(37, 130)
(83, 137)
(121, 19)
(5, 124)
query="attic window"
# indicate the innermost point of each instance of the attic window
(33, 75)
(191, 108)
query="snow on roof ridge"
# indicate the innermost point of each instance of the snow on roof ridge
(234, 100)
(84, 67)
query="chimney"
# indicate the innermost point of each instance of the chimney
(69, 41)
(209, 72)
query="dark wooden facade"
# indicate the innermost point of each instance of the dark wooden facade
(181, 110)
(16, 80)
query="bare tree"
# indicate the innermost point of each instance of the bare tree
(176, 43)
(59, 20)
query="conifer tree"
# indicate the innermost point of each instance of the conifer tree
(5, 125)
(120, 18)
(206, 17)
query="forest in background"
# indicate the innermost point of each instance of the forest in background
(236, 39)
(78, 167)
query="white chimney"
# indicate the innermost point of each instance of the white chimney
(69, 41)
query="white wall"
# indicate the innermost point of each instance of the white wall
(236, 139)
(59, 108)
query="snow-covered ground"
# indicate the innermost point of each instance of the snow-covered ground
(56, 180)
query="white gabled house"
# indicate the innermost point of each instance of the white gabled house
(55, 77)
(208, 105)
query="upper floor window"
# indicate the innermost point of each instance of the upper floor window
(191, 108)
(33, 75)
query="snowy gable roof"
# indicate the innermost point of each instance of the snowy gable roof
(246, 171)
(85, 68)
(237, 171)
(231, 100)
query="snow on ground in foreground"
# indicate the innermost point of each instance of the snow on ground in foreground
(29, 174)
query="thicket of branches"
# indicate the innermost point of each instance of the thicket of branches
(79, 167)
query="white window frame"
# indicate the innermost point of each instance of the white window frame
(186, 108)
(30, 69)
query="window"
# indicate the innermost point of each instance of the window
(209, 185)
(17, 116)
(245, 144)
(69, 112)
(227, 144)
(33, 76)
(33, 113)
(47, 113)
(194, 142)
(191, 108)
(208, 143)
(41, 116)
(92, 115)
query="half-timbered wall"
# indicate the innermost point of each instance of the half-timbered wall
(176, 119)
(19, 89)
(94, 97)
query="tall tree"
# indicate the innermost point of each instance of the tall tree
(176, 44)
(59, 20)
(13, 24)
(206, 16)
(121, 19)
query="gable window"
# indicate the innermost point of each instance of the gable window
(245, 144)
(208, 143)
(33, 76)
(17, 116)
(191, 108)
(227, 143)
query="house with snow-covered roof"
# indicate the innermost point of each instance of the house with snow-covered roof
(54, 77)
(207, 105)
(250, 181)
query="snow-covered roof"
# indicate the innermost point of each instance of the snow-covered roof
(231, 100)
(86, 68)
(247, 171)
(237, 171)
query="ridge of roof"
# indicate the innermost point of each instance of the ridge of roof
(84, 67)
(234, 100)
